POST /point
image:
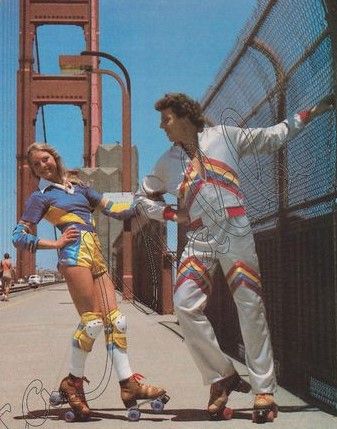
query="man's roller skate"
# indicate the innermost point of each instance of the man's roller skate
(132, 390)
(265, 408)
(220, 392)
(71, 392)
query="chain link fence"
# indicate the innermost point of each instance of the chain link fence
(284, 62)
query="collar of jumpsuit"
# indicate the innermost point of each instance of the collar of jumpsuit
(44, 184)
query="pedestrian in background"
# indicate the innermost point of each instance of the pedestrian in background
(7, 275)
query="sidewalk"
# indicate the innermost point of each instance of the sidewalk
(35, 330)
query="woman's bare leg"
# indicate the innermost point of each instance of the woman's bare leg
(115, 333)
(82, 289)
(115, 325)
(105, 294)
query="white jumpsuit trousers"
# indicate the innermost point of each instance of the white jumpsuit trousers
(230, 241)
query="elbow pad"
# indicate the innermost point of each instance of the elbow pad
(22, 239)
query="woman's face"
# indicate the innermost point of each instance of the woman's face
(44, 165)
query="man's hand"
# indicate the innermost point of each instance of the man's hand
(325, 104)
(181, 216)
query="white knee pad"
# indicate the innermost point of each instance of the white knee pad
(120, 323)
(116, 329)
(93, 328)
(87, 331)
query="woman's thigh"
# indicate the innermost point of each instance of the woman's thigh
(81, 288)
(105, 293)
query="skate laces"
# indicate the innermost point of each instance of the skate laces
(78, 382)
(137, 377)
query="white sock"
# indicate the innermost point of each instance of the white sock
(121, 363)
(77, 361)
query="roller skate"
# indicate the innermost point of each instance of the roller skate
(71, 392)
(219, 394)
(265, 408)
(132, 390)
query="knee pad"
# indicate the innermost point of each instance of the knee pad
(115, 330)
(88, 330)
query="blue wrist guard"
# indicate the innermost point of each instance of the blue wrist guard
(22, 239)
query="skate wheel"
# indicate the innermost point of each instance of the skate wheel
(227, 413)
(213, 416)
(134, 414)
(157, 405)
(164, 399)
(55, 399)
(69, 416)
(263, 416)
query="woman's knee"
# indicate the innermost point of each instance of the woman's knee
(87, 331)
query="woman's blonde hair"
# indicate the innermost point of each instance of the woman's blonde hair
(46, 148)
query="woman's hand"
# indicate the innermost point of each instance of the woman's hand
(69, 235)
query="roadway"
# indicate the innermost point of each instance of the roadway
(35, 328)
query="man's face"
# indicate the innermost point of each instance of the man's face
(175, 128)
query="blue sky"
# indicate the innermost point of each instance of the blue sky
(166, 45)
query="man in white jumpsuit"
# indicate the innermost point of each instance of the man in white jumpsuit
(201, 169)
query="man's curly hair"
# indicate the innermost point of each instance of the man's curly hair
(182, 105)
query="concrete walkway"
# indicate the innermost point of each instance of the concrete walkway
(35, 329)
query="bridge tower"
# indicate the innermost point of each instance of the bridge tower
(35, 90)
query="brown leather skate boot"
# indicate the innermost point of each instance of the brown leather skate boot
(221, 389)
(71, 388)
(265, 408)
(132, 390)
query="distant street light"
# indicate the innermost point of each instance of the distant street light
(83, 63)
(115, 61)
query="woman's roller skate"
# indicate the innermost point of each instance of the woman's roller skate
(265, 409)
(132, 390)
(71, 391)
(220, 392)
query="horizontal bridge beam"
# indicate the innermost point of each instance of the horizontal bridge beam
(49, 89)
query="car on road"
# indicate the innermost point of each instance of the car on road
(48, 278)
(34, 280)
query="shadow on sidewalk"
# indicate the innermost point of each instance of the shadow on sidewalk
(179, 415)
(96, 415)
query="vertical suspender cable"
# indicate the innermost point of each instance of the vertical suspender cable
(38, 69)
